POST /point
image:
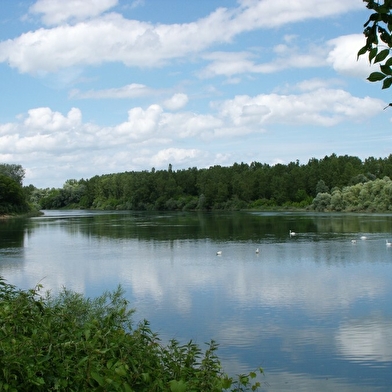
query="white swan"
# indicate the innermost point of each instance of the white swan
(257, 250)
(363, 237)
(219, 253)
(388, 243)
(353, 241)
(292, 233)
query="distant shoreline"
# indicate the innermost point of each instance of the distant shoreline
(24, 215)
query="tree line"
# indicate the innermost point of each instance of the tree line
(317, 185)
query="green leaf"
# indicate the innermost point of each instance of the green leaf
(362, 51)
(178, 386)
(376, 77)
(98, 378)
(373, 54)
(385, 69)
(381, 56)
(387, 83)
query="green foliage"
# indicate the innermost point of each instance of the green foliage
(12, 196)
(13, 171)
(240, 186)
(377, 31)
(69, 343)
(371, 196)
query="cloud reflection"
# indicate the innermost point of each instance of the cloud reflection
(365, 340)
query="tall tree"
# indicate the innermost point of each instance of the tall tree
(16, 172)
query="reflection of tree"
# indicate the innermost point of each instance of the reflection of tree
(217, 226)
(12, 233)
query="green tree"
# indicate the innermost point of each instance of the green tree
(379, 41)
(16, 172)
(12, 196)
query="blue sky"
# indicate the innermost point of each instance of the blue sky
(90, 87)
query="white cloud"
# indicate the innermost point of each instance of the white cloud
(176, 102)
(44, 119)
(44, 138)
(112, 38)
(174, 155)
(55, 12)
(325, 107)
(141, 123)
(343, 56)
(287, 56)
(133, 90)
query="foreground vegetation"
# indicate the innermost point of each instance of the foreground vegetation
(69, 343)
(240, 186)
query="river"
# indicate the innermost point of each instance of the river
(312, 309)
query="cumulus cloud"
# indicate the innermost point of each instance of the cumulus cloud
(54, 12)
(343, 56)
(177, 155)
(44, 119)
(176, 102)
(112, 38)
(322, 106)
(151, 135)
(141, 123)
(285, 57)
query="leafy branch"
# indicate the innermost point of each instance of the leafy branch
(377, 31)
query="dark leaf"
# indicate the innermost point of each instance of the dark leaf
(376, 76)
(387, 83)
(362, 51)
(373, 54)
(386, 69)
(381, 56)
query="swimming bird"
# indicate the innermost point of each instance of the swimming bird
(388, 243)
(219, 253)
(292, 233)
(353, 241)
(257, 250)
(363, 237)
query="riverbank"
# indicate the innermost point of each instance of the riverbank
(30, 214)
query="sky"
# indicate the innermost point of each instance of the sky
(90, 87)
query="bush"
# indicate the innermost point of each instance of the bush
(76, 344)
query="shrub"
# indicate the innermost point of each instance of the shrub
(76, 344)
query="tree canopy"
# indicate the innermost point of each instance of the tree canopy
(14, 171)
(235, 187)
(13, 199)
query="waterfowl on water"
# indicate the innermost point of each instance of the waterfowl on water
(363, 237)
(257, 250)
(292, 233)
(388, 243)
(219, 252)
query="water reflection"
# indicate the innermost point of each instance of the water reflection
(313, 310)
(366, 340)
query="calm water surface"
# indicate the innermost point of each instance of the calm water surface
(314, 310)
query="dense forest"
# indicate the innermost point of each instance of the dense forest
(333, 183)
